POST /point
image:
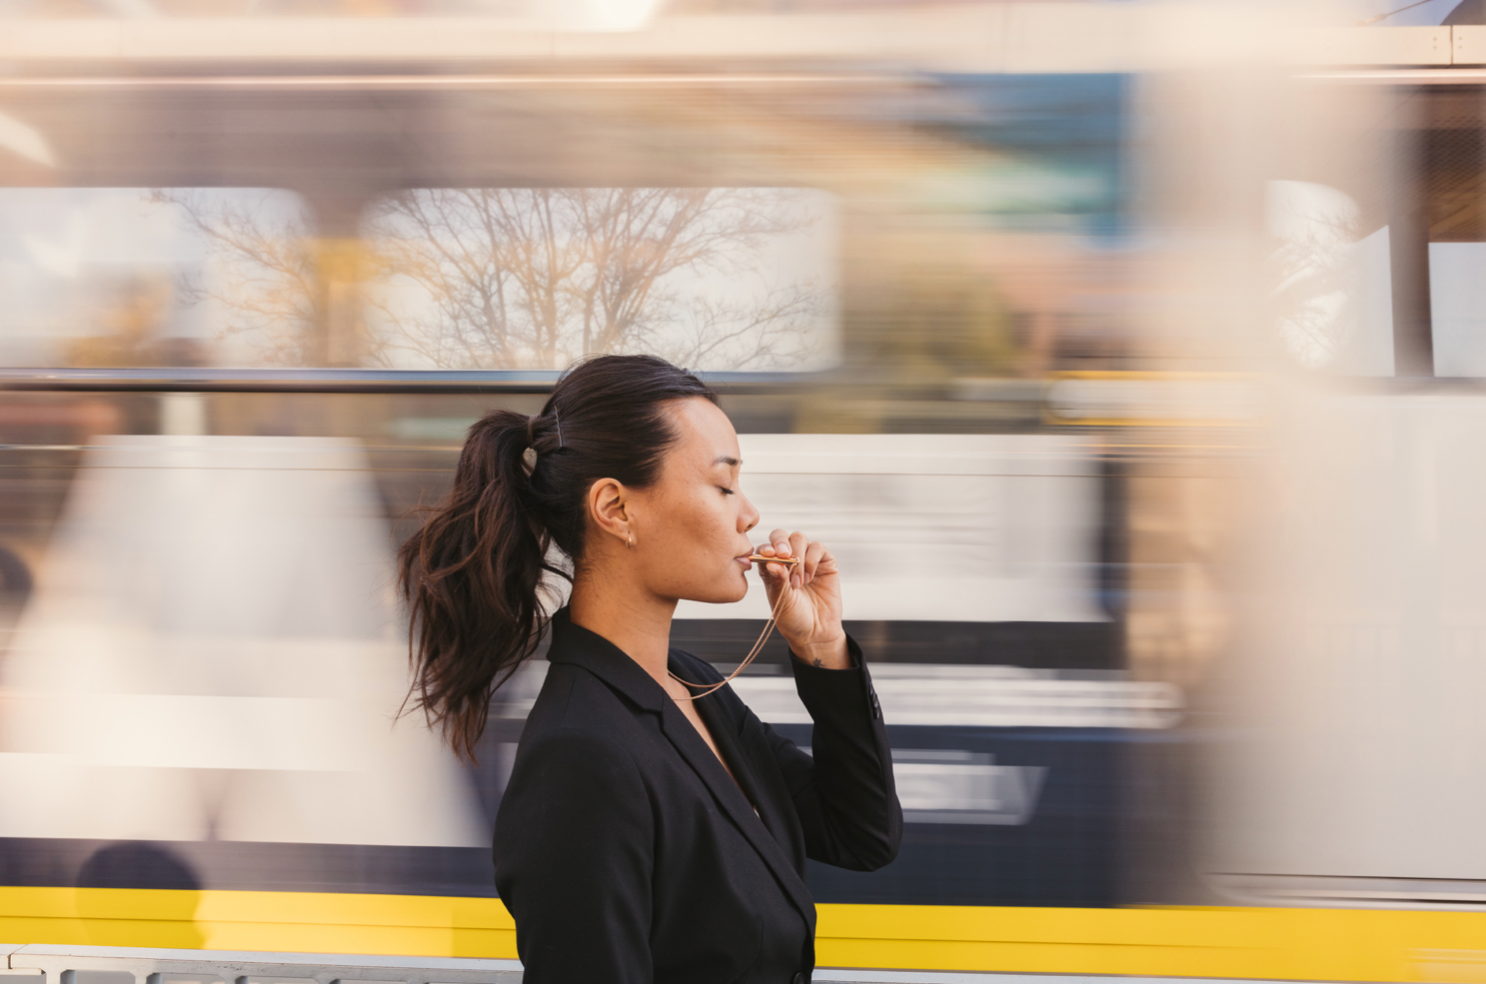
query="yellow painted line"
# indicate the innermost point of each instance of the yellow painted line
(311, 922)
(1288, 944)
(1283, 944)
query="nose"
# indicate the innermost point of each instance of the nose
(747, 516)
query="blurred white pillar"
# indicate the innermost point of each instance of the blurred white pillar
(221, 606)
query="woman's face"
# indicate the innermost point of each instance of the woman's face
(691, 527)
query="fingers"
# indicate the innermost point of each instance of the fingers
(778, 546)
(797, 545)
(814, 554)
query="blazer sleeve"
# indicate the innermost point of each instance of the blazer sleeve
(574, 853)
(843, 791)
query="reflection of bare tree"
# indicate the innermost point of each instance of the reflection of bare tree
(766, 332)
(1312, 272)
(511, 278)
(269, 283)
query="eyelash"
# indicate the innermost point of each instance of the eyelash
(726, 490)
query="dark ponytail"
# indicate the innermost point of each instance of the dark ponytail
(472, 576)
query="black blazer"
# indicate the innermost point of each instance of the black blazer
(626, 853)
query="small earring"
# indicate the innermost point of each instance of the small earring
(629, 541)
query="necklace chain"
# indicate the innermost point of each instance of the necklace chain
(758, 647)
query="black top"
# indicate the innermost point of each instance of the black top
(626, 853)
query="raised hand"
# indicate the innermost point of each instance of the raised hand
(810, 613)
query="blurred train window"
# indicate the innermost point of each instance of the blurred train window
(499, 278)
(1330, 280)
(1457, 304)
(155, 277)
(973, 528)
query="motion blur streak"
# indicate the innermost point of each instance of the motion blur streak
(212, 652)
(1127, 354)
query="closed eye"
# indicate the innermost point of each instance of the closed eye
(726, 490)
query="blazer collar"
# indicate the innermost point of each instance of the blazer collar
(575, 644)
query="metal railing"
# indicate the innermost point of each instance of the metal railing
(58, 964)
(89, 964)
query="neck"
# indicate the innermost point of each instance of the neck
(639, 624)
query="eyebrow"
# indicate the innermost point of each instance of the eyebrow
(728, 460)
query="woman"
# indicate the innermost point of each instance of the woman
(651, 831)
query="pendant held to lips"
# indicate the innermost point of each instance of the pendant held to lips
(786, 561)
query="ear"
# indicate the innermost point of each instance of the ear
(608, 508)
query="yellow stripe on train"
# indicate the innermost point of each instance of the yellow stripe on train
(1293, 944)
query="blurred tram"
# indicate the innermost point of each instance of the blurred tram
(206, 485)
(254, 295)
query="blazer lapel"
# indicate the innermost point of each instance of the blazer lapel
(575, 644)
(683, 735)
(765, 802)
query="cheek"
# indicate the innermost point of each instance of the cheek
(695, 549)
(704, 524)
